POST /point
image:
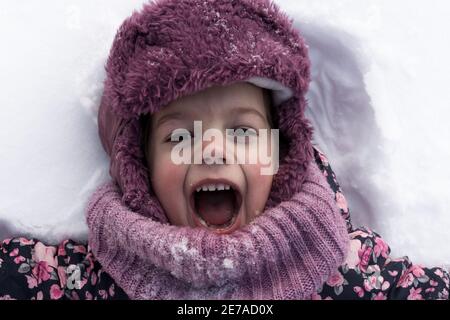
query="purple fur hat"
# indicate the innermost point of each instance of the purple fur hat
(173, 48)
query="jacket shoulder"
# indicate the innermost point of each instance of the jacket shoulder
(369, 272)
(30, 269)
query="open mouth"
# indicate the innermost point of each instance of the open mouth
(216, 205)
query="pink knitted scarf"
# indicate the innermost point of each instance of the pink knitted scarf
(287, 252)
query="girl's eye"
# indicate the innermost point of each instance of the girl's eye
(175, 137)
(244, 132)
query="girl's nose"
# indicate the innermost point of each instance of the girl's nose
(214, 152)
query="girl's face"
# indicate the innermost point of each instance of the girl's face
(230, 195)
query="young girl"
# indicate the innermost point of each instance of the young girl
(170, 227)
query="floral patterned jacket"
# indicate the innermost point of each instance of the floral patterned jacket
(30, 269)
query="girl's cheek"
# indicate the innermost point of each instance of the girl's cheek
(254, 176)
(165, 168)
(167, 182)
(164, 172)
(255, 179)
(258, 190)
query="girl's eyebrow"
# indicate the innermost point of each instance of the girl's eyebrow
(241, 110)
(179, 115)
(170, 116)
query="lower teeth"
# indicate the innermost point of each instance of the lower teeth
(221, 226)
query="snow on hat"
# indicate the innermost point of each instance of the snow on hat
(174, 48)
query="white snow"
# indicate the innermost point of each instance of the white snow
(379, 102)
(228, 263)
(51, 63)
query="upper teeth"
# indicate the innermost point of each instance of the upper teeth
(214, 187)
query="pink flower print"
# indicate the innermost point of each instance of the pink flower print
(93, 278)
(316, 296)
(374, 268)
(364, 257)
(41, 271)
(381, 248)
(323, 159)
(82, 282)
(367, 285)
(111, 290)
(429, 290)
(358, 233)
(75, 296)
(40, 296)
(62, 275)
(90, 258)
(352, 259)
(55, 292)
(446, 281)
(385, 286)
(25, 241)
(341, 202)
(79, 249)
(417, 271)
(32, 282)
(414, 294)
(19, 259)
(103, 294)
(405, 280)
(393, 273)
(371, 283)
(88, 295)
(359, 291)
(439, 273)
(14, 253)
(45, 254)
(379, 296)
(335, 280)
(433, 283)
(61, 250)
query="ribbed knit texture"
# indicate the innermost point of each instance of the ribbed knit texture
(285, 253)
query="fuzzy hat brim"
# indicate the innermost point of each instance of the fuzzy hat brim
(173, 48)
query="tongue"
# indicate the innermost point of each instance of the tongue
(215, 207)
